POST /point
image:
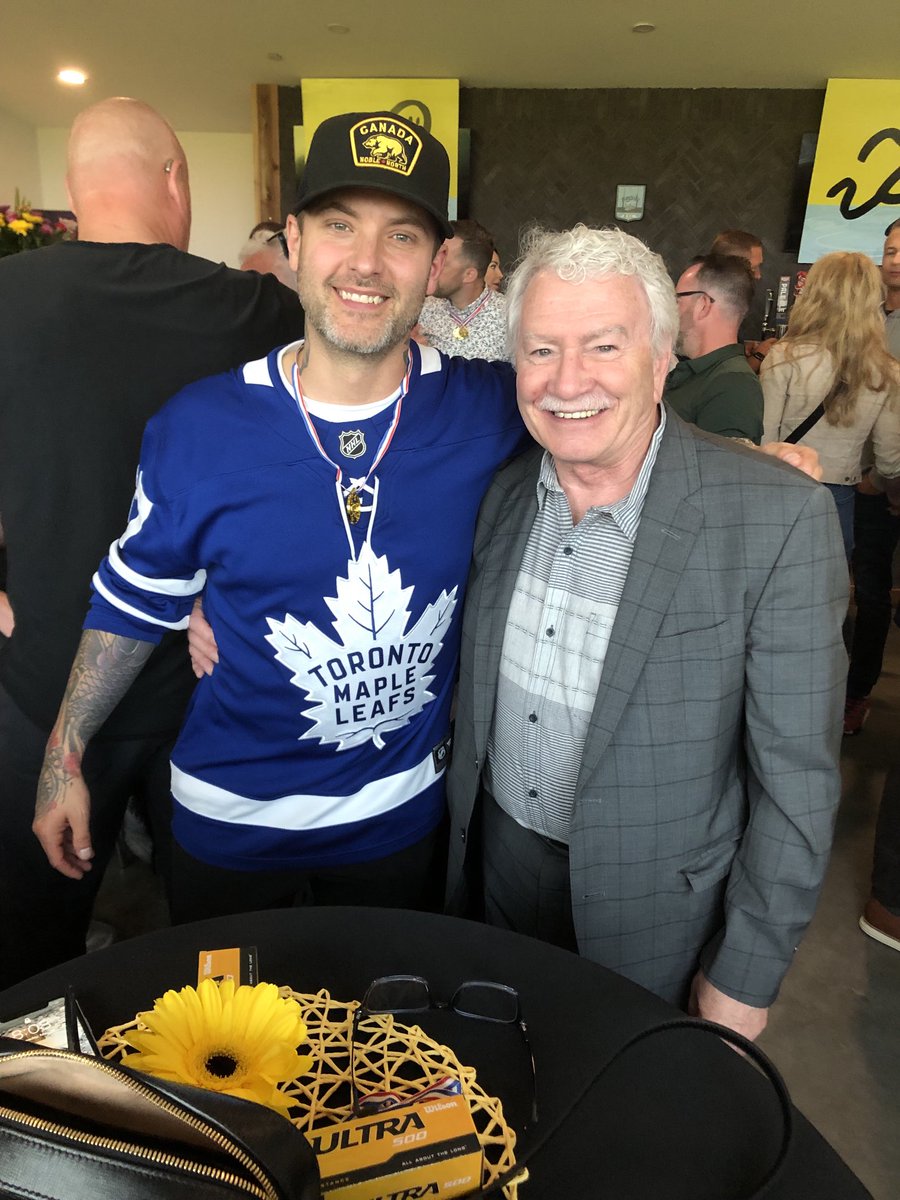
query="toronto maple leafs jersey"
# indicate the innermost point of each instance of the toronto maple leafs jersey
(317, 740)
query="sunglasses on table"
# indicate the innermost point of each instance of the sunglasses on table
(402, 995)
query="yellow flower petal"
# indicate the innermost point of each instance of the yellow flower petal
(242, 1041)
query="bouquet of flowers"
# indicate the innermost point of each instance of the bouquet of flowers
(21, 228)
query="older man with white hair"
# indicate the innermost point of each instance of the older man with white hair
(652, 669)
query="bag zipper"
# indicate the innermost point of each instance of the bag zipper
(261, 1185)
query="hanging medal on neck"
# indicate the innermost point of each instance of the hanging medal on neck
(350, 498)
(353, 505)
(461, 332)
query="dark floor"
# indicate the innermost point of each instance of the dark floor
(835, 1030)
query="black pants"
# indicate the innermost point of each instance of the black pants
(526, 879)
(411, 878)
(876, 533)
(886, 866)
(43, 915)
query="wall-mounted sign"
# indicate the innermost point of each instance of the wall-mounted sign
(855, 187)
(432, 103)
(630, 201)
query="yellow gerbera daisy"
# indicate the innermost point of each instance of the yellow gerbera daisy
(241, 1041)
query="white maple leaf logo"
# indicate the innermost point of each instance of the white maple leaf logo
(375, 677)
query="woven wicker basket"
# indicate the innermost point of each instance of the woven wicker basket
(391, 1056)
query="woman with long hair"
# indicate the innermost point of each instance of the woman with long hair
(835, 354)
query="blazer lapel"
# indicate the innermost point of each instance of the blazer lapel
(502, 559)
(665, 538)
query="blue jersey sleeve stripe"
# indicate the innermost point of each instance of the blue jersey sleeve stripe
(146, 583)
(112, 599)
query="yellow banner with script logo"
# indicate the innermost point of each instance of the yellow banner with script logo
(855, 189)
(431, 103)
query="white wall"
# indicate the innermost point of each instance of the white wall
(52, 153)
(224, 212)
(221, 172)
(19, 166)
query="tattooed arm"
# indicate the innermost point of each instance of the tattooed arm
(104, 669)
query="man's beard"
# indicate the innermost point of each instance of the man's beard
(375, 342)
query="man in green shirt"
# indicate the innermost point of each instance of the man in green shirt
(712, 386)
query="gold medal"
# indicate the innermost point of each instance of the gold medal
(460, 333)
(353, 505)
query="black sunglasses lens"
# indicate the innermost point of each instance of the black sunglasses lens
(397, 994)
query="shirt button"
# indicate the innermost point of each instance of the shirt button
(567, 550)
(532, 793)
(551, 631)
(532, 717)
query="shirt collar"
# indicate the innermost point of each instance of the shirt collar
(625, 512)
(705, 361)
(473, 304)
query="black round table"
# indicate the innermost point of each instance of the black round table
(682, 1117)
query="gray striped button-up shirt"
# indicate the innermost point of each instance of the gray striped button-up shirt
(563, 607)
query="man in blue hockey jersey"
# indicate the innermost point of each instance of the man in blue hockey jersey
(323, 499)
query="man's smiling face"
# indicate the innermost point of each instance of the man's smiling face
(589, 382)
(365, 261)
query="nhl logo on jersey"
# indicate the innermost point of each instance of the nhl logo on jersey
(352, 443)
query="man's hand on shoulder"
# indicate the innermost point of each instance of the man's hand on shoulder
(712, 1005)
(804, 458)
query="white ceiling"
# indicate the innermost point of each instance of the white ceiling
(196, 60)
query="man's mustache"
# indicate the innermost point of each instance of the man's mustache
(588, 400)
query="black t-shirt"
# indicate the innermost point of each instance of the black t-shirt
(95, 337)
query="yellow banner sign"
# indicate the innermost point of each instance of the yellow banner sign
(855, 189)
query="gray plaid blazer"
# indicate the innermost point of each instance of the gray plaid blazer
(709, 782)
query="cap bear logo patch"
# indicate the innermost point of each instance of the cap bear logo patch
(390, 145)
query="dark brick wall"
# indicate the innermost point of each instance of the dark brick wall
(711, 159)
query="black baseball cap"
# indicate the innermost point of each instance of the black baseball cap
(378, 150)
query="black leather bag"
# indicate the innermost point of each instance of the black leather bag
(73, 1127)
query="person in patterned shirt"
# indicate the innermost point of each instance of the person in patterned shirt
(464, 317)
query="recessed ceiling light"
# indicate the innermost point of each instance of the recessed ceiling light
(72, 76)
(275, 56)
(643, 27)
(338, 28)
